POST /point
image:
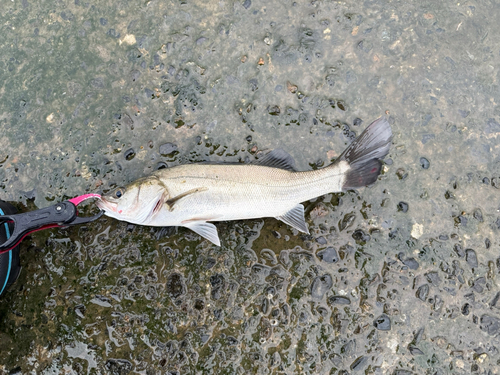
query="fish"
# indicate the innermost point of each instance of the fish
(196, 195)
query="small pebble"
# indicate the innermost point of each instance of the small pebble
(462, 220)
(478, 215)
(414, 350)
(149, 93)
(463, 113)
(341, 105)
(449, 195)
(459, 250)
(490, 324)
(465, 309)
(321, 285)
(357, 121)
(328, 255)
(382, 323)
(422, 292)
(433, 278)
(471, 258)
(168, 149)
(427, 137)
(161, 165)
(347, 221)
(292, 88)
(218, 314)
(265, 306)
(403, 207)
(424, 163)
(199, 304)
(321, 240)
(175, 285)
(401, 173)
(411, 263)
(201, 40)
(495, 300)
(339, 300)
(129, 154)
(348, 348)
(274, 110)
(359, 363)
(479, 285)
(204, 338)
(360, 236)
(113, 33)
(210, 263)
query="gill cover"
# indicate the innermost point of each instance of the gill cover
(136, 203)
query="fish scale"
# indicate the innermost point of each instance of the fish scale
(244, 191)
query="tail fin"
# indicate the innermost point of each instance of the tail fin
(364, 154)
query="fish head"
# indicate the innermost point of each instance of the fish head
(137, 202)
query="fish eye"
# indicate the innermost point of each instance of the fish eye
(119, 192)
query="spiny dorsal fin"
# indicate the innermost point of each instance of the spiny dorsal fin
(295, 218)
(277, 159)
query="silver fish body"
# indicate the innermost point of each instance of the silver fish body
(194, 195)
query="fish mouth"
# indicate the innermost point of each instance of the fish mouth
(106, 205)
(137, 213)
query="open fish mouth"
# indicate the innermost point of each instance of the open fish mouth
(106, 205)
(138, 213)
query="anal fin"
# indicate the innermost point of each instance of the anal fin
(295, 218)
(204, 229)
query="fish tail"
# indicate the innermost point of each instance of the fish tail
(364, 154)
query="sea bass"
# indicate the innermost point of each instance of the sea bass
(194, 195)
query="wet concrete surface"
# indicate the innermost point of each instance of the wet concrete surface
(397, 278)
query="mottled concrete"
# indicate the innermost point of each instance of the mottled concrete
(398, 278)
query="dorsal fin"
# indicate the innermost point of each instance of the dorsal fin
(277, 158)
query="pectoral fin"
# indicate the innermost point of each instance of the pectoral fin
(295, 218)
(204, 229)
(170, 202)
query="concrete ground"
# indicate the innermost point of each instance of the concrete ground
(398, 278)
